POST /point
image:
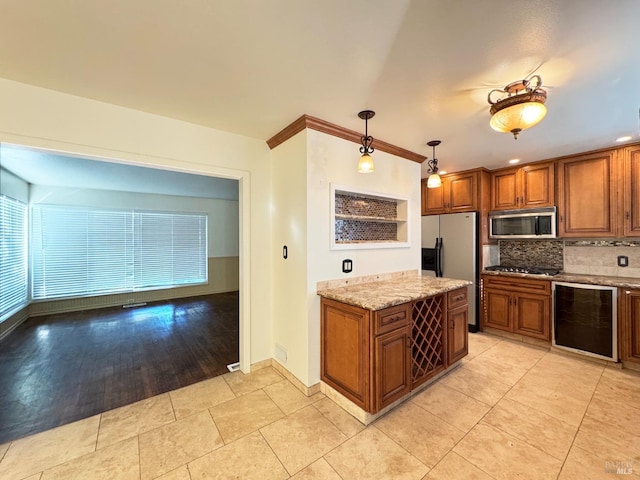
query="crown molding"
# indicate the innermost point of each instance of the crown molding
(313, 123)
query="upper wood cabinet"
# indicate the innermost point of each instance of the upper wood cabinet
(587, 190)
(530, 186)
(458, 193)
(631, 191)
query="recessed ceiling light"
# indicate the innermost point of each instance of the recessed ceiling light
(624, 139)
(514, 161)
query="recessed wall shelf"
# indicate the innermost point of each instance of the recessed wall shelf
(362, 219)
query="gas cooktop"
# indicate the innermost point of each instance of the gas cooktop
(521, 269)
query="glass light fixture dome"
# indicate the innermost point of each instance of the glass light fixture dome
(522, 108)
(365, 164)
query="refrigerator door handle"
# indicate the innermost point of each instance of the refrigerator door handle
(438, 257)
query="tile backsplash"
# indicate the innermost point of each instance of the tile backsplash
(539, 253)
(592, 257)
(601, 257)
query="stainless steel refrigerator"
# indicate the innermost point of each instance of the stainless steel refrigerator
(450, 249)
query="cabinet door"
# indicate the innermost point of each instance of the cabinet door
(433, 199)
(344, 356)
(462, 192)
(457, 336)
(498, 312)
(532, 315)
(587, 196)
(630, 326)
(537, 185)
(631, 189)
(504, 189)
(392, 366)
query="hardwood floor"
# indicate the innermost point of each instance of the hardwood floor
(60, 368)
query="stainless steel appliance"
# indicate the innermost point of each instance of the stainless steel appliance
(529, 223)
(584, 319)
(449, 249)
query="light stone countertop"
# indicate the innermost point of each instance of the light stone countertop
(622, 282)
(387, 293)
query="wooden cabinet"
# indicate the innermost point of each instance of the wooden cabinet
(374, 358)
(344, 354)
(391, 355)
(530, 186)
(587, 191)
(458, 193)
(631, 191)
(392, 366)
(629, 324)
(518, 305)
(457, 325)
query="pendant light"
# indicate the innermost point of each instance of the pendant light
(365, 164)
(434, 180)
(521, 108)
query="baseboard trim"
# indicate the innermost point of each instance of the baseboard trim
(308, 391)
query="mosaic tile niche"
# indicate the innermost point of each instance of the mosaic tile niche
(367, 219)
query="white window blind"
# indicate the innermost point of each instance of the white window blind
(81, 251)
(13, 255)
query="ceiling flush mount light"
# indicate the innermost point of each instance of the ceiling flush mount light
(626, 138)
(365, 164)
(434, 180)
(521, 108)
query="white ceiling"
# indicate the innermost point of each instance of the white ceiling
(40, 167)
(425, 66)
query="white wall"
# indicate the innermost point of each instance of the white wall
(223, 214)
(13, 186)
(333, 160)
(304, 167)
(42, 118)
(289, 227)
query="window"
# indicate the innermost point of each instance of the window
(13, 255)
(87, 251)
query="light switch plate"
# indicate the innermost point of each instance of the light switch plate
(623, 261)
(347, 265)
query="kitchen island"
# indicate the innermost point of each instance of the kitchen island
(382, 341)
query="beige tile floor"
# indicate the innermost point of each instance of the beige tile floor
(510, 411)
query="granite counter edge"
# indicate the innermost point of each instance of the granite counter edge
(374, 306)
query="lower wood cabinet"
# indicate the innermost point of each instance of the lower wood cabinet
(629, 324)
(457, 336)
(377, 357)
(345, 336)
(392, 366)
(518, 305)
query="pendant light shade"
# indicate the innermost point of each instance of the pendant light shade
(434, 180)
(365, 164)
(522, 108)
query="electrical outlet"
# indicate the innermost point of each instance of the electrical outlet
(623, 261)
(347, 265)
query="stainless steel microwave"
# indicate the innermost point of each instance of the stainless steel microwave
(529, 223)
